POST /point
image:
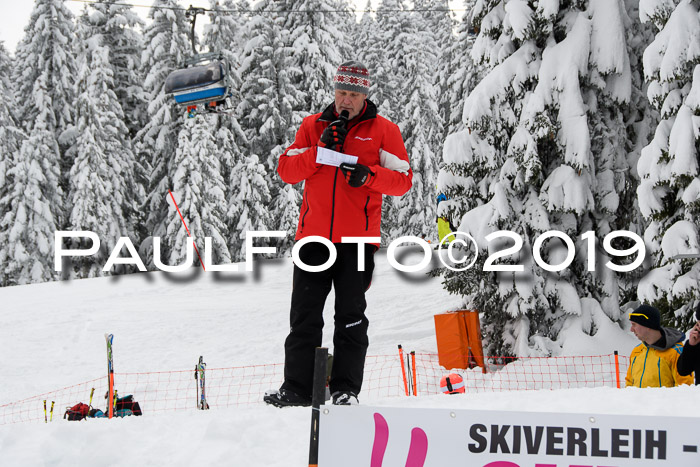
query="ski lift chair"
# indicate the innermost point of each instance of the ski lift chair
(205, 79)
(201, 84)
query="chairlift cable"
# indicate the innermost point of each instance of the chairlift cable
(242, 10)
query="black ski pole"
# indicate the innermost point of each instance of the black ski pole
(410, 379)
(318, 398)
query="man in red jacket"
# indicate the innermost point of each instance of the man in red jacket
(342, 200)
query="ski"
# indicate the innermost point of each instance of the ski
(110, 376)
(199, 372)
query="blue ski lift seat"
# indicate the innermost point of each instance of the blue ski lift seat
(199, 84)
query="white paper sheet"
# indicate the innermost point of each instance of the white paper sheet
(334, 158)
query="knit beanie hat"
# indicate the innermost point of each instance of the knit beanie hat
(352, 76)
(647, 316)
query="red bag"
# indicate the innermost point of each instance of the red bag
(77, 412)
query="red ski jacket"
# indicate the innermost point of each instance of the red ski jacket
(331, 208)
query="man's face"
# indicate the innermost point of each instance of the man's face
(351, 101)
(643, 333)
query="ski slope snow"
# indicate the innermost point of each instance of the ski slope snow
(51, 336)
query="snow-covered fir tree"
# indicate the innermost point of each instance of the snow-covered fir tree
(244, 7)
(416, 52)
(222, 32)
(231, 146)
(167, 47)
(639, 119)
(345, 19)
(286, 200)
(102, 188)
(11, 139)
(441, 23)
(362, 41)
(534, 159)
(268, 97)
(388, 69)
(669, 192)
(369, 44)
(383, 50)
(316, 43)
(11, 136)
(46, 49)
(249, 205)
(463, 73)
(199, 191)
(231, 143)
(35, 200)
(119, 28)
(266, 110)
(222, 35)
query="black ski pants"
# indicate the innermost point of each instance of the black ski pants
(350, 340)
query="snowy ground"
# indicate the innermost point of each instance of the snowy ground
(51, 336)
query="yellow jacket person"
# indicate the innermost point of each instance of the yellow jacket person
(653, 363)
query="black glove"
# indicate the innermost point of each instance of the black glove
(334, 135)
(356, 174)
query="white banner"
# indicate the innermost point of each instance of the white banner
(358, 436)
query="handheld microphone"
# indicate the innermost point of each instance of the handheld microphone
(344, 117)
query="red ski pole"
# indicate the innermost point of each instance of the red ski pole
(413, 364)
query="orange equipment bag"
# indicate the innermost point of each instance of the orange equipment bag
(458, 337)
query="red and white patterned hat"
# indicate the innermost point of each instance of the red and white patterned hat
(352, 76)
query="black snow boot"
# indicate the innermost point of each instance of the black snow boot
(345, 398)
(286, 398)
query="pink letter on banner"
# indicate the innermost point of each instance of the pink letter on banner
(503, 464)
(418, 450)
(381, 439)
